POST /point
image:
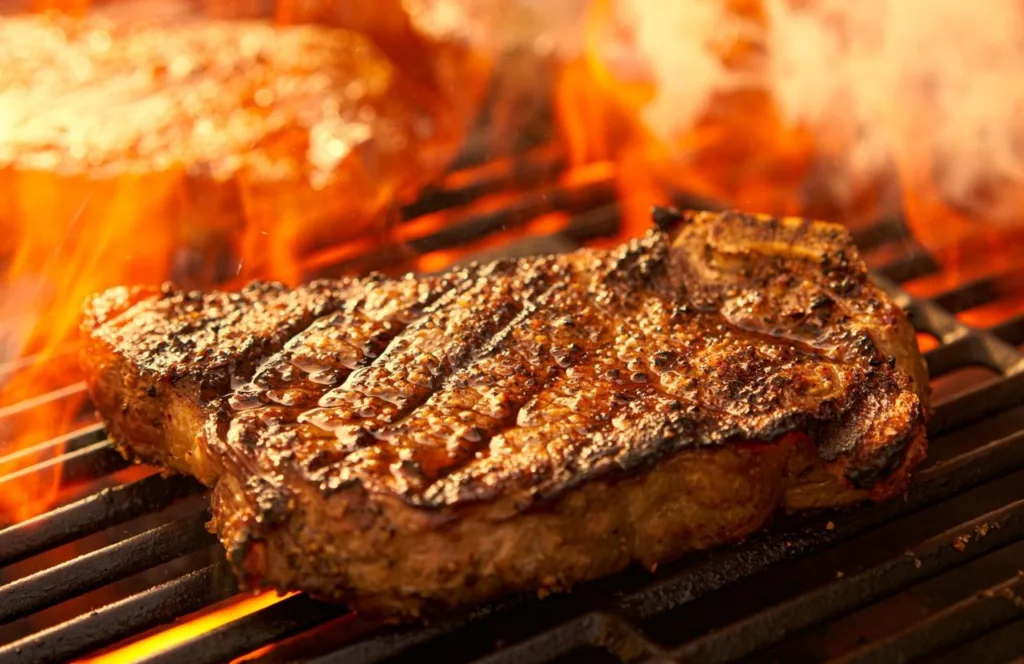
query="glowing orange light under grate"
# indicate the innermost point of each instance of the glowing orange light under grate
(237, 607)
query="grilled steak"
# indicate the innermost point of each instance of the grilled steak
(415, 444)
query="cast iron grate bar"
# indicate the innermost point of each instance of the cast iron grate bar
(20, 407)
(595, 630)
(98, 568)
(526, 171)
(1011, 331)
(1000, 646)
(479, 225)
(914, 264)
(80, 465)
(120, 620)
(886, 231)
(63, 444)
(271, 624)
(101, 510)
(979, 291)
(973, 617)
(930, 558)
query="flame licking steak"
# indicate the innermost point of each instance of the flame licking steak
(413, 444)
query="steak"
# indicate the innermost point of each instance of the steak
(414, 444)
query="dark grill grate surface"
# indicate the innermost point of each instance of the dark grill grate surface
(934, 574)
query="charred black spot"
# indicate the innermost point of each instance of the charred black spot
(663, 358)
(665, 218)
(621, 398)
(821, 301)
(412, 468)
(270, 500)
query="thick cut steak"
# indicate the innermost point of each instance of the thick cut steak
(415, 444)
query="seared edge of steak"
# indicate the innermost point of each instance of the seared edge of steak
(154, 358)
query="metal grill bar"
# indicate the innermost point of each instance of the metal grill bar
(1010, 331)
(92, 570)
(979, 291)
(92, 514)
(268, 625)
(1000, 645)
(602, 630)
(117, 621)
(886, 231)
(916, 263)
(986, 611)
(933, 556)
(60, 445)
(75, 389)
(526, 172)
(86, 464)
(476, 226)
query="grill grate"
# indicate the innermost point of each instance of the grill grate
(762, 599)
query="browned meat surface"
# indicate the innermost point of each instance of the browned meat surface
(422, 443)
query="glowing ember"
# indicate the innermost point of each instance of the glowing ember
(233, 609)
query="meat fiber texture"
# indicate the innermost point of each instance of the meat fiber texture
(417, 444)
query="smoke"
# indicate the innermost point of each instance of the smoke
(499, 26)
(912, 90)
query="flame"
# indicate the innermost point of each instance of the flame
(80, 238)
(840, 111)
(229, 611)
(736, 151)
(68, 231)
(818, 108)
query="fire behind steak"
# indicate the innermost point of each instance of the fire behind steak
(414, 444)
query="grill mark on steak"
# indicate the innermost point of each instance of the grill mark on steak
(313, 362)
(477, 400)
(412, 371)
(570, 336)
(326, 352)
(551, 339)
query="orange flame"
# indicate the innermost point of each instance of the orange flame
(82, 237)
(741, 146)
